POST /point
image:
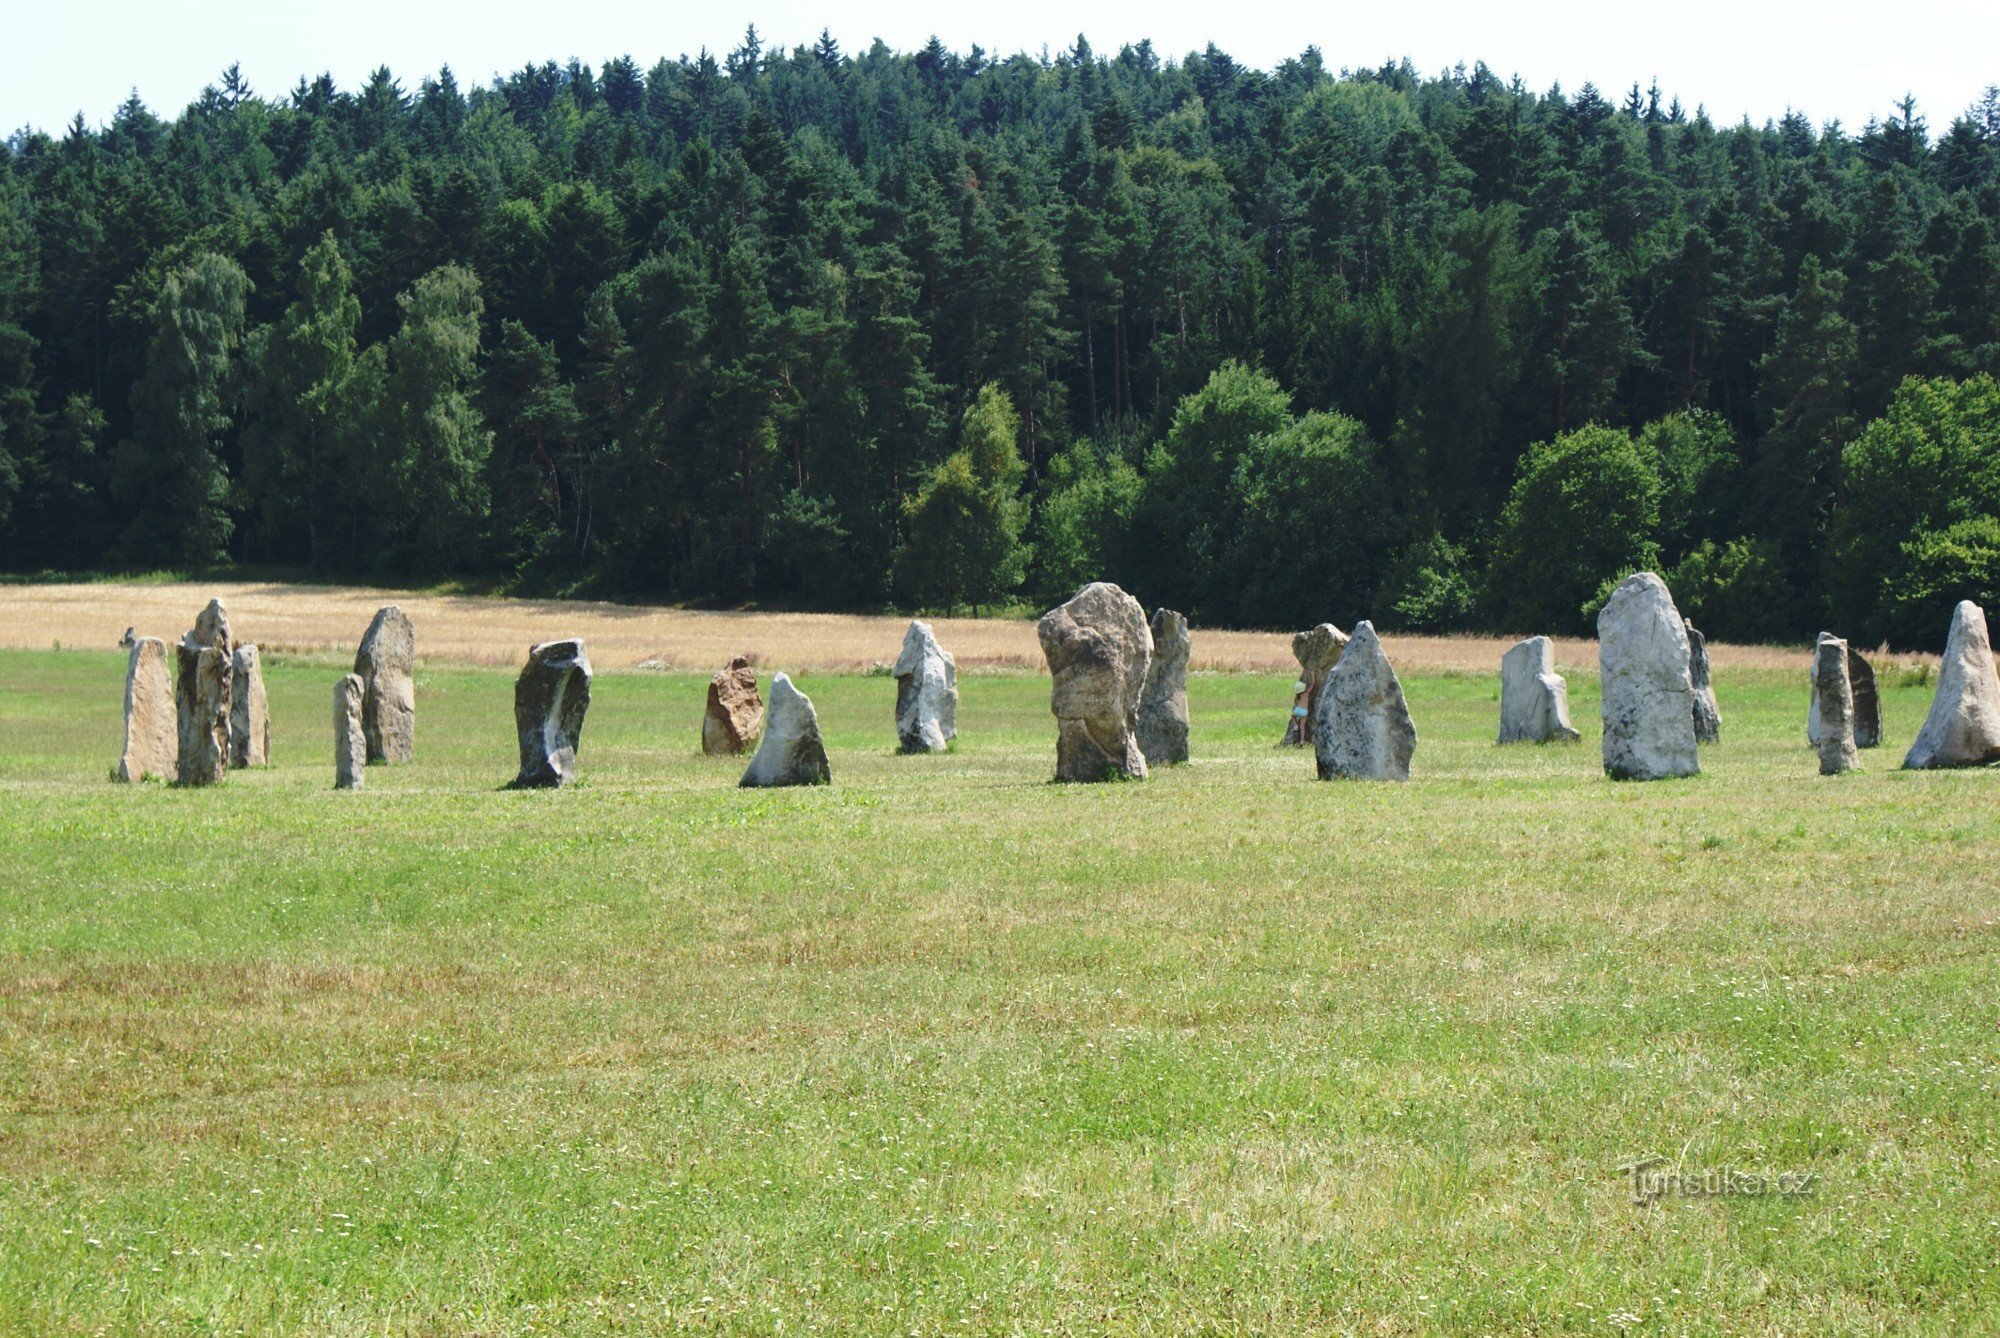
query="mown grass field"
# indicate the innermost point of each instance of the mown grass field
(946, 1048)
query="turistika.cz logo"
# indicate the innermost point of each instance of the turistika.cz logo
(1650, 1184)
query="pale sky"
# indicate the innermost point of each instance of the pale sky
(1845, 59)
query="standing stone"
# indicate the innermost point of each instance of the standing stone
(1867, 703)
(152, 744)
(926, 693)
(1963, 727)
(1098, 647)
(1317, 652)
(1163, 711)
(249, 712)
(1361, 725)
(387, 663)
(550, 698)
(790, 752)
(1643, 659)
(211, 628)
(350, 741)
(1707, 715)
(201, 703)
(735, 713)
(1534, 699)
(1835, 700)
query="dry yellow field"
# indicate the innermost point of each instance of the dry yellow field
(478, 629)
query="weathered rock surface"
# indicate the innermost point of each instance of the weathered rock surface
(1098, 647)
(201, 707)
(350, 741)
(550, 699)
(1867, 703)
(249, 711)
(1361, 725)
(790, 753)
(1642, 656)
(1963, 727)
(211, 628)
(1317, 651)
(152, 740)
(1834, 700)
(735, 712)
(1534, 698)
(1163, 710)
(926, 693)
(1707, 715)
(387, 664)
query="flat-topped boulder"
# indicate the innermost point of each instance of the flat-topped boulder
(350, 741)
(1317, 650)
(926, 693)
(550, 699)
(249, 711)
(1707, 714)
(201, 708)
(1534, 698)
(1833, 699)
(1098, 647)
(1163, 709)
(1963, 727)
(152, 738)
(1361, 725)
(735, 713)
(387, 664)
(790, 752)
(1867, 711)
(1643, 657)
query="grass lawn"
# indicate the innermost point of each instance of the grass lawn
(945, 1048)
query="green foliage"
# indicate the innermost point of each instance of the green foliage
(1584, 507)
(1940, 568)
(1694, 453)
(1431, 587)
(1083, 519)
(966, 522)
(435, 444)
(1734, 591)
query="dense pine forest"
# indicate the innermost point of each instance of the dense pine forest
(833, 329)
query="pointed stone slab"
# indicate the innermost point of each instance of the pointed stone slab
(152, 738)
(1642, 658)
(201, 709)
(1317, 650)
(1534, 698)
(790, 753)
(926, 693)
(1707, 715)
(1835, 699)
(735, 713)
(1163, 709)
(350, 741)
(1867, 702)
(1361, 726)
(1963, 727)
(387, 664)
(249, 711)
(550, 699)
(1098, 647)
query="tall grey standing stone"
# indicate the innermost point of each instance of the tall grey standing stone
(790, 752)
(211, 628)
(201, 705)
(387, 662)
(1534, 699)
(1317, 651)
(735, 713)
(152, 744)
(1361, 725)
(1963, 727)
(1867, 703)
(249, 711)
(1098, 648)
(1163, 709)
(1643, 657)
(350, 742)
(926, 693)
(550, 698)
(1707, 715)
(1835, 700)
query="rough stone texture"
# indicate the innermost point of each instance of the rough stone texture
(1534, 699)
(790, 752)
(1963, 727)
(350, 740)
(550, 698)
(1642, 656)
(211, 628)
(1867, 703)
(152, 741)
(735, 713)
(1361, 725)
(1317, 651)
(1834, 700)
(1098, 647)
(249, 711)
(926, 693)
(1163, 711)
(387, 663)
(201, 704)
(1707, 715)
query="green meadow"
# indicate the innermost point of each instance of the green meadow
(943, 1047)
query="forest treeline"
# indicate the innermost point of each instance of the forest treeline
(938, 329)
